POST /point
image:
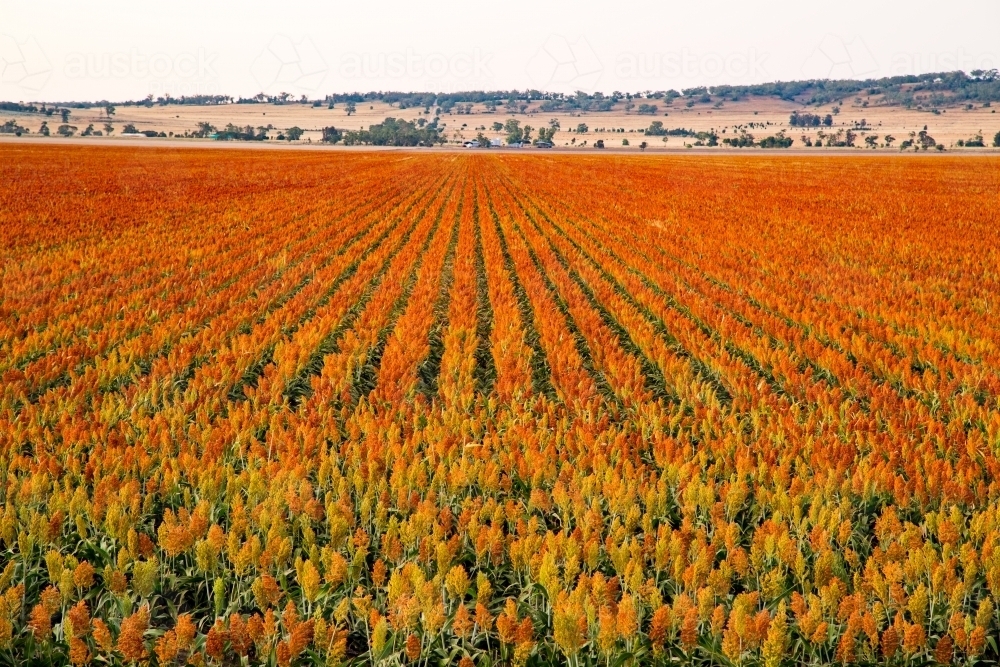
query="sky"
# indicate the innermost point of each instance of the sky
(70, 50)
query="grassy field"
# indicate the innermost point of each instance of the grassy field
(404, 408)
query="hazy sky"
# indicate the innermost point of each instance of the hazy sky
(74, 50)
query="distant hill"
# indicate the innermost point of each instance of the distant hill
(939, 89)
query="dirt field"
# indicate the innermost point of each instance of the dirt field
(759, 116)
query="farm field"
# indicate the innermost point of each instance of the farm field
(275, 407)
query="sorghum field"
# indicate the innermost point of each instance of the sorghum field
(305, 407)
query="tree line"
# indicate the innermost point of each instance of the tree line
(802, 119)
(390, 132)
(939, 87)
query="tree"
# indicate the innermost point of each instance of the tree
(889, 139)
(547, 133)
(513, 129)
(350, 107)
(129, 129)
(66, 130)
(205, 130)
(624, 142)
(65, 115)
(331, 135)
(974, 142)
(294, 133)
(599, 143)
(109, 110)
(11, 127)
(643, 145)
(89, 131)
(996, 140)
(582, 128)
(44, 129)
(655, 129)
